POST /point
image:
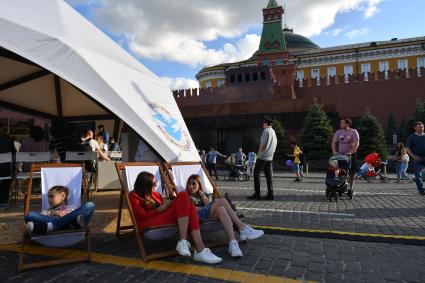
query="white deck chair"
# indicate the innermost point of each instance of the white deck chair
(127, 174)
(52, 174)
(90, 177)
(28, 157)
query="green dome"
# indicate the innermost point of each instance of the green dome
(297, 42)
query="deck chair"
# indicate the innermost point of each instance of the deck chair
(90, 178)
(179, 173)
(21, 176)
(65, 174)
(127, 174)
(7, 158)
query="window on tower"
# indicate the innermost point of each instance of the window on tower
(239, 78)
(255, 76)
(263, 76)
(232, 79)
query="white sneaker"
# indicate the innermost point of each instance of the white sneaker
(30, 227)
(206, 256)
(249, 233)
(183, 248)
(234, 249)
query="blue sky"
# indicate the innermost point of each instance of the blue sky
(176, 42)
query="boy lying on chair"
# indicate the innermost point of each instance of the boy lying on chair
(221, 209)
(59, 216)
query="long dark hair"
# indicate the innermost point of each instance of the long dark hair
(144, 184)
(37, 133)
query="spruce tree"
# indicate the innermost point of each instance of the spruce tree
(316, 136)
(401, 131)
(371, 136)
(391, 129)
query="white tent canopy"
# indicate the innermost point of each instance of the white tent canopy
(55, 63)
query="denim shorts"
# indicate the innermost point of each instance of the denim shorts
(204, 212)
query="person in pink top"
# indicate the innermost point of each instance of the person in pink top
(346, 141)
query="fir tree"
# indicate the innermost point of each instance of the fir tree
(316, 136)
(371, 136)
(391, 129)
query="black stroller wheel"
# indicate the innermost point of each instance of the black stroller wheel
(240, 178)
(350, 193)
(327, 193)
(246, 177)
(336, 196)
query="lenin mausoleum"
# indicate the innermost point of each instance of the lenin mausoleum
(289, 71)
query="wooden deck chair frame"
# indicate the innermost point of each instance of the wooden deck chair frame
(124, 196)
(26, 237)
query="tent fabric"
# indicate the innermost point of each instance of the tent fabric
(53, 36)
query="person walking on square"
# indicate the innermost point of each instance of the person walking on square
(252, 157)
(264, 162)
(346, 141)
(212, 161)
(297, 160)
(415, 147)
(240, 157)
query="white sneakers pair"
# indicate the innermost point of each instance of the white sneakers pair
(246, 233)
(206, 256)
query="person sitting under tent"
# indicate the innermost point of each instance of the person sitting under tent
(151, 210)
(59, 215)
(220, 208)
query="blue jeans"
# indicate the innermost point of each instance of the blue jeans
(402, 173)
(397, 168)
(418, 166)
(66, 221)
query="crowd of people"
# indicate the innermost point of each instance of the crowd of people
(346, 141)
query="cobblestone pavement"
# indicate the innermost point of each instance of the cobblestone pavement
(379, 208)
(376, 208)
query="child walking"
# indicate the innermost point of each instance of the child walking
(59, 215)
(221, 209)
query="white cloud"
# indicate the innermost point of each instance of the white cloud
(357, 32)
(336, 32)
(181, 30)
(180, 83)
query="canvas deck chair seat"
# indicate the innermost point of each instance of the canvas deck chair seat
(179, 173)
(53, 174)
(127, 174)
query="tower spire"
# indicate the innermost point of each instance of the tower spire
(272, 4)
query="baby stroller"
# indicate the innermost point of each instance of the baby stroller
(337, 177)
(236, 172)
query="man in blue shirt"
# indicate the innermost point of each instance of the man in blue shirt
(415, 147)
(212, 161)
